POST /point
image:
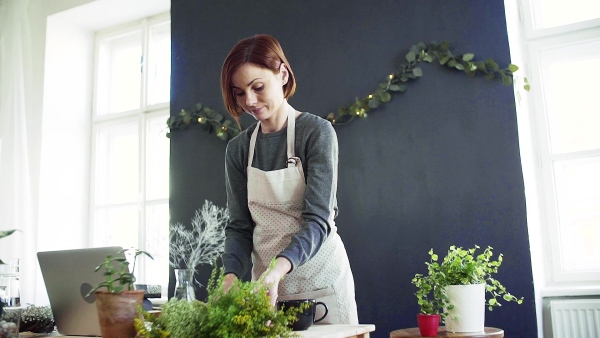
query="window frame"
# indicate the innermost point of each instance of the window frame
(540, 44)
(141, 116)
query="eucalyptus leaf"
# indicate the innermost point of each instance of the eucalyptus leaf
(187, 119)
(513, 68)
(411, 57)
(468, 56)
(417, 72)
(374, 103)
(506, 80)
(427, 58)
(385, 97)
(492, 64)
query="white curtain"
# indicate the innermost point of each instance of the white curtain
(17, 177)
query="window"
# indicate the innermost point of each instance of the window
(130, 150)
(564, 54)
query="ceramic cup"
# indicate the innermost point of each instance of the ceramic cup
(305, 318)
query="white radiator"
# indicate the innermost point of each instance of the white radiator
(575, 318)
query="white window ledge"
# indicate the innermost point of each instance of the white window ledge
(558, 291)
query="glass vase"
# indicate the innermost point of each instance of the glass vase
(184, 288)
(10, 299)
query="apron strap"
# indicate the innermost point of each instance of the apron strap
(291, 133)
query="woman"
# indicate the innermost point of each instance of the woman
(281, 180)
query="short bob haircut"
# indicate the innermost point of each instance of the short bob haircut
(260, 50)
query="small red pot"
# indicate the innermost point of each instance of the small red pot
(428, 324)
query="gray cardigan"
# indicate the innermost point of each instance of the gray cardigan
(316, 146)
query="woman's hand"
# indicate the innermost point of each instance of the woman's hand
(271, 277)
(228, 281)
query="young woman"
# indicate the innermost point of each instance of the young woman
(281, 181)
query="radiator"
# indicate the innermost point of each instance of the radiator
(575, 318)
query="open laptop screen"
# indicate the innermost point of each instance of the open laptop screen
(69, 275)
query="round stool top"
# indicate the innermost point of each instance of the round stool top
(488, 332)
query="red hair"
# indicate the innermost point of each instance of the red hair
(260, 50)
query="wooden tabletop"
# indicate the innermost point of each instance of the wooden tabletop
(322, 331)
(414, 332)
(338, 331)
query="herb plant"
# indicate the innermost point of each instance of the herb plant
(460, 267)
(116, 271)
(243, 311)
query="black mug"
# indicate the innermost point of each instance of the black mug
(305, 318)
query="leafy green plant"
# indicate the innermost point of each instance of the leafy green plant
(430, 293)
(244, 311)
(6, 233)
(460, 267)
(116, 271)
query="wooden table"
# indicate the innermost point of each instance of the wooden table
(338, 331)
(322, 331)
(414, 332)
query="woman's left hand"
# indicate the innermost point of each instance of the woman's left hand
(271, 277)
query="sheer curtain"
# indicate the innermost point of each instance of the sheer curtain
(17, 198)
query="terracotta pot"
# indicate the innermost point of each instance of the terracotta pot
(428, 324)
(116, 312)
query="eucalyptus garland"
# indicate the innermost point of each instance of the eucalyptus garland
(396, 82)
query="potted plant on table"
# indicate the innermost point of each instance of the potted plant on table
(117, 306)
(460, 283)
(431, 299)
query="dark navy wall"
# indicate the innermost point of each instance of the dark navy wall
(437, 166)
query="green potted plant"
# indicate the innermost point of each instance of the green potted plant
(431, 299)
(117, 304)
(464, 277)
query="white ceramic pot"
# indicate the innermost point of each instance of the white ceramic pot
(468, 314)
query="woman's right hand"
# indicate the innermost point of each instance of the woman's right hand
(228, 281)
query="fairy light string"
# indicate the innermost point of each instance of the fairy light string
(396, 82)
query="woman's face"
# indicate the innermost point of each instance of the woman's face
(259, 91)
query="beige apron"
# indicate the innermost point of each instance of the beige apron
(276, 202)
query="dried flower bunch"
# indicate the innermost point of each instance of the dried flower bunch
(201, 244)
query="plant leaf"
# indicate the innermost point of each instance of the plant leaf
(468, 57)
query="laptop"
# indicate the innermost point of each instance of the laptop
(69, 275)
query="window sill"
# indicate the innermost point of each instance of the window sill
(558, 291)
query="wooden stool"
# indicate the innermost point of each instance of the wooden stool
(414, 333)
